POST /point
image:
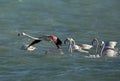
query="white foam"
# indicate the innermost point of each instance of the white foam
(93, 56)
(31, 48)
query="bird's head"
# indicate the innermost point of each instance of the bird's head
(70, 41)
(67, 40)
(21, 34)
(95, 40)
(102, 44)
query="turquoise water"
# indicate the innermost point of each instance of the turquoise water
(81, 19)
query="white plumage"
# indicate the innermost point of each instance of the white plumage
(108, 49)
(74, 47)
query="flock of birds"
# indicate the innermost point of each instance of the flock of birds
(101, 48)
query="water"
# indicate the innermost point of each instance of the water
(81, 19)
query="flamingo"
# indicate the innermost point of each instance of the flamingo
(108, 49)
(81, 48)
(95, 40)
(50, 38)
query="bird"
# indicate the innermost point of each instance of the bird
(81, 47)
(96, 42)
(50, 38)
(108, 49)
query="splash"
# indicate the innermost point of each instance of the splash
(31, 48)
(93, 56)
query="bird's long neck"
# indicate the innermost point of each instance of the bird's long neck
(31, 37)
(97, 43)
(70, 48)
(102, 48)
(71, 44)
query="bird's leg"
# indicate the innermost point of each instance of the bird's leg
(56, 47)
(46, 52)
(70, 48)
(50, 50)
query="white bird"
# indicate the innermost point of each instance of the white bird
(108, 49)
(81, 48)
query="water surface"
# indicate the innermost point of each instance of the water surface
(81, 19)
